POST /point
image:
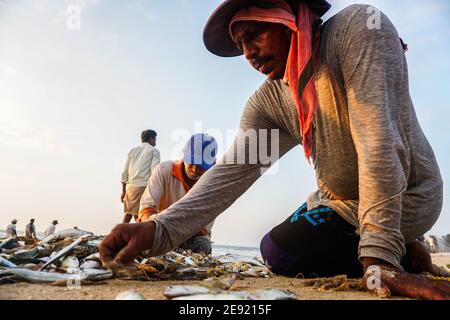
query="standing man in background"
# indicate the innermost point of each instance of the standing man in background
(51, 229)
(30, 233)
(11, 229)
(138, 168)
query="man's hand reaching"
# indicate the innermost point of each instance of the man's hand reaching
(126, 242)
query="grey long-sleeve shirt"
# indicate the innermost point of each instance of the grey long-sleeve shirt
(373, 164)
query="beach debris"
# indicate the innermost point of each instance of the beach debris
(222, 283)
(337, 283)
(130, 295)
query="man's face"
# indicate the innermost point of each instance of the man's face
(265, 46)
(152, 141)
(193, 171)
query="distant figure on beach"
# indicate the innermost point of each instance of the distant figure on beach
(171, 180)
(11, 229)
(51, 228)
(30, 233)
(140, 163)
(340, 90)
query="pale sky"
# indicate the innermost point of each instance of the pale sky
(74, 101)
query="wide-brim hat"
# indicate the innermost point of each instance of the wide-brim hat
(216, 36)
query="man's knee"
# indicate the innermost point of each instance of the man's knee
(198, 244)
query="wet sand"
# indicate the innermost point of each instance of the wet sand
(155, 289)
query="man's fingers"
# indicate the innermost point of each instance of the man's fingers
(112, 244)
(127, 254)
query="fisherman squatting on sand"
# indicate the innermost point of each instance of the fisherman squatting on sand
(340, 89)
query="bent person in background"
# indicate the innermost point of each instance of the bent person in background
(141, 161)
(51, 228)
(11, 230)
(171, 180)
(30, 233)
(340, 89)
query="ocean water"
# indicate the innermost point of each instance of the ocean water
(251, 252)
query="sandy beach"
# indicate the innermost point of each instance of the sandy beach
(155, 289)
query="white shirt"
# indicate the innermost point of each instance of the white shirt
(165, 187)
(50, 230)
(11, 230)
(139, 165)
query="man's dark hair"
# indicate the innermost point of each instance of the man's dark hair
(147, 135)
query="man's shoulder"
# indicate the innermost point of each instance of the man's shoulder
(164, 167)
(355, 16)
(268, 91)
(349, 12)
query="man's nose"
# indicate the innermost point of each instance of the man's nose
(250, 50)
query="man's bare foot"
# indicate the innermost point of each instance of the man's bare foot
(419, 260)
(384, 281)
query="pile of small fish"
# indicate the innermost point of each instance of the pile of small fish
(184, 265)
(72, 254)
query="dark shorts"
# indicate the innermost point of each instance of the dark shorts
(312, 243)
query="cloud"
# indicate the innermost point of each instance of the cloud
(18, 130)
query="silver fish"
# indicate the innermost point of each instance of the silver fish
(6, 242)
(65, 251)
(180, 291)
(130, 295)
(97, 274)
(90, 264)
(232, 258)
(93, 257)
(42, 276)
(269, 294)
(70, 262)
(187, 260)
(66, 233)
(6, 263)
(26, 255)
